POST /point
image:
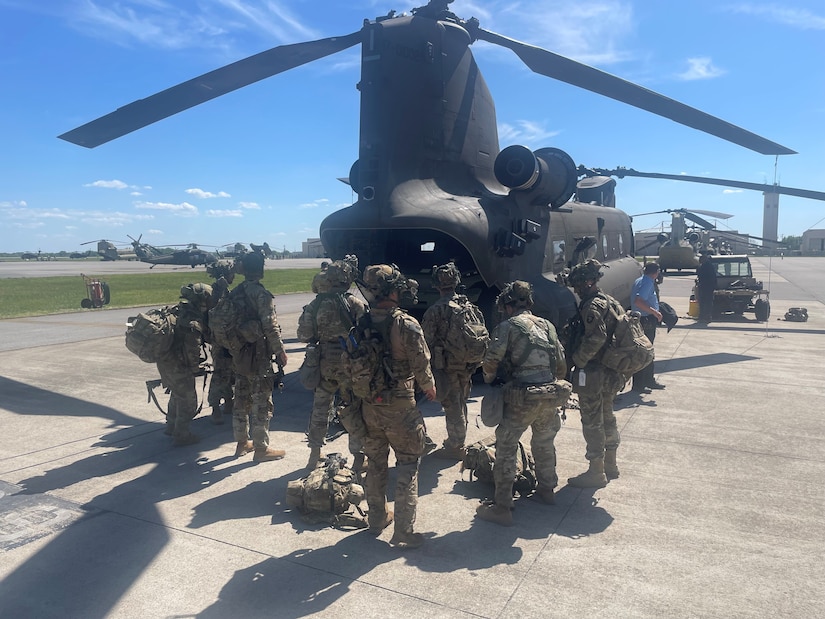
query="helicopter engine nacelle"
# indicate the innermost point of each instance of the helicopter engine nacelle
(693, 238)
(547, 176)
(662, 238)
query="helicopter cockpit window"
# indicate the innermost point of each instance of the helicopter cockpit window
(604, 246)
(558, 255)
(428, 247)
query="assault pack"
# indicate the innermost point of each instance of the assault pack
(467, 336)
(231, 324)
(629, 349)
(480, 457)
(367, 359)
(329, 494)
(150, 335)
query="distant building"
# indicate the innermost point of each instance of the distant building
(312, 248)
(813, 242)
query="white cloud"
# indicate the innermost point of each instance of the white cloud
(183, 209)
(249, 205)
(802, 19)
(200, 193)
(224, 213)
(700, 69)
(733, 191)
(113, 184)
(528, 132)
(321, 202)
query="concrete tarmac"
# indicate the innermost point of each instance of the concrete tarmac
(717, 512)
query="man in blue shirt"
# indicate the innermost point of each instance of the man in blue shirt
(645, 301)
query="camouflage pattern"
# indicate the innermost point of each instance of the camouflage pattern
(178, 368)
(328, 317)
(253, 389)
(453, 383)
(223, 378)
(398, 423)
(596, 405)
(513, 358)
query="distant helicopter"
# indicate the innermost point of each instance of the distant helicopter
(234, 250)
(191, 256)
(432, 182)
(108, 250)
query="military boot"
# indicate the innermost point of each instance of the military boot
(268, 454)
(545, 495)
(185, 438)
(594, 477)
(407, 540)
(377, 527)
(611, 470)
(314, 456)
(495, 513)
(243, 448)
(217, 415)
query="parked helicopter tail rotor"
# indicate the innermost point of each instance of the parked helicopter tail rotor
(208, 86)
(558, 67)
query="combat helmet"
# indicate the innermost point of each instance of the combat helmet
(588, 270)
(517, 293)
(381, 279)
(197, 294)
(446, 276)
(341, 273)
(252, 264)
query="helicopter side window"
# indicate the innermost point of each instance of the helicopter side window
(621, 244)
(558, 255)
(605, 246)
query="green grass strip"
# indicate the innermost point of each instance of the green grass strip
(39, 296)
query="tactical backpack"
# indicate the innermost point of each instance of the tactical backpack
(629, 349)
(480, 457)
(329, 494)
(368, 360)
(230, 322)
(467, 336)
(150, 335)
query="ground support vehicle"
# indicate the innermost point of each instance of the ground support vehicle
(737, 290)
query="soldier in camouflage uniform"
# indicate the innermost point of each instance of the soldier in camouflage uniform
(220, 384)
(326, 319)
(254, 376)
(184, 361)
(525, 352)
(601, 383)
(452, 375)
(392, 418)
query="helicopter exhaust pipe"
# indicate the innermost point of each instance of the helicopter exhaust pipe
(547, 175)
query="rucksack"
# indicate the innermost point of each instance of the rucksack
(467, 336)
(329, 494)
(368, 361)
(480, 457)
(229, 321)
(629, 349)
(150, 335)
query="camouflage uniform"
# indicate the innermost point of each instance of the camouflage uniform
(254, 385)
(220, 384)
(512, 356)
(596, 404)
(327, 318)
(452, 377)
(396, 422)
(179, 367)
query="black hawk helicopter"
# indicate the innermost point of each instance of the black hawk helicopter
(432, 182)
(190, 256)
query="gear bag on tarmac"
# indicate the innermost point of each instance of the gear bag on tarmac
(480, 457)
(329, 495)
(150, 335)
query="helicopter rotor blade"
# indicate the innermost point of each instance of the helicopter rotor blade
(208, 86)
(763, 187)
(696, 219)
(558, 67)
(714, 214)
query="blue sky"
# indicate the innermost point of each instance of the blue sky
(260, 164)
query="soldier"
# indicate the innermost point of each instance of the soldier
(645, 300)
(324, 322)
(254, 376)
(391, 416)
(185, 361)
(705, 286)
(524, 352)
(452, 375)
(220, 385)
(595, 384)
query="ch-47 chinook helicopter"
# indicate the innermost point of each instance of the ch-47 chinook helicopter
(432, 182)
